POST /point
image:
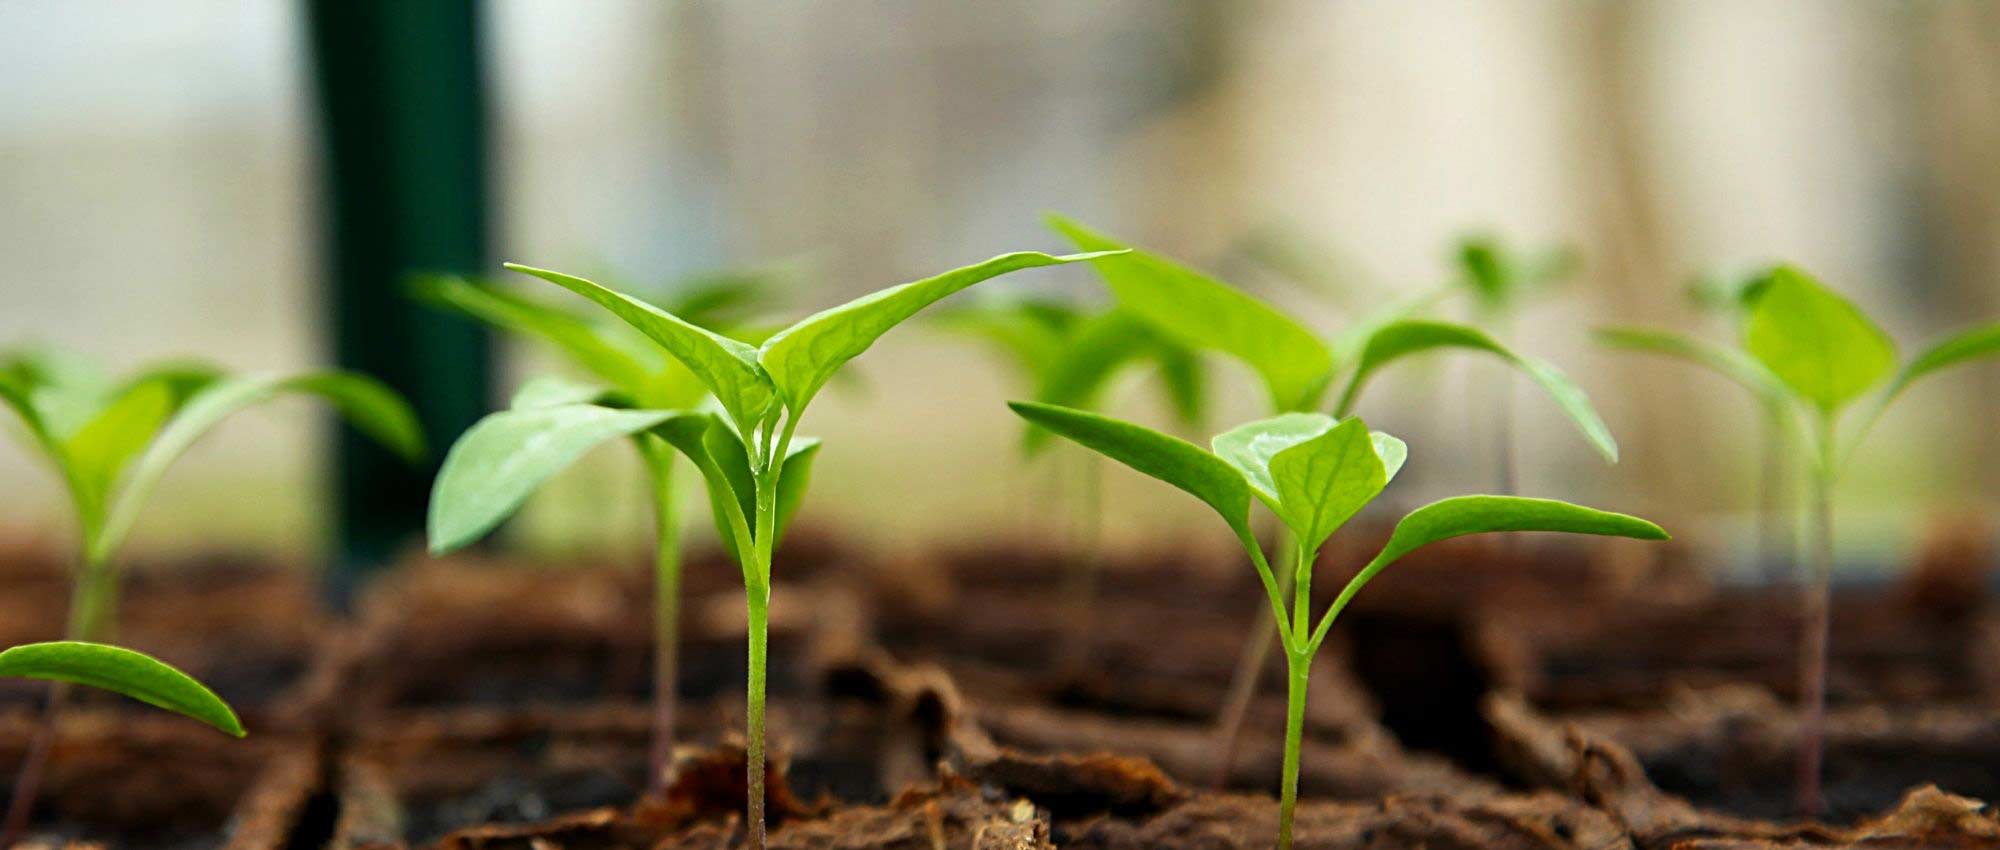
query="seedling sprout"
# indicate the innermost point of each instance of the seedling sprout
(111, 442)
(1313, 472)
(755, 465)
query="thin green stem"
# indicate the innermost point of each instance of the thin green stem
(94, 603)
(1814, 643)
(666, 609)
(1081, 578)
(1299, 667)
(753, 755)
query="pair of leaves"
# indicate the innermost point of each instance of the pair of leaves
(1206, 314)
(122, 671)
(113, 444)
(1315, 474)
(791, 366)
(504, 457)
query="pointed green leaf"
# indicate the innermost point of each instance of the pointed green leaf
(1095, 351)
(718, 453)
(1401, 339)
(504, 457)
(1463, 515)
(17, 395)
(727, 367)
(1817, 342)
(1324, 481)
(1170, 459)
(1738, 367)
(98, 452)
(122, 671)
(802, 357)
(364, 402)
(1958, 348)
(1208, 315)
(587, 345)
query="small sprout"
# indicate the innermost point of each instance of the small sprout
(755, 468)
(551, 423)
(1808, 356)
(122, 671)
(1205, 314)
(1314, 473)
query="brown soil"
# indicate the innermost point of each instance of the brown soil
(160, 783)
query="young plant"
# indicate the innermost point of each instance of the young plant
(1313, 472)
(112, 441)
(1827, 355)
(551, 423)
(744, 444)
(1297, 367)
(1735, 297)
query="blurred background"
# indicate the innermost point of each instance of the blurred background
(199, 178)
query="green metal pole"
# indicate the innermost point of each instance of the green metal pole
(402, 121)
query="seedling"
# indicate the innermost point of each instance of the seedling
(745, 444)
(1734, 297)
(111, 441)
(1068, 355)
(1313, 472)
(551, 423)
(1297, 368)
(1501, 280)
(1824, 355)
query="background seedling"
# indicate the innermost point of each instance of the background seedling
(1297, 368)
(1313, 472)
(747, 449)
(1069, 355)
(1828, 355)
(111, 441)
(551, 423)
(1734, 297)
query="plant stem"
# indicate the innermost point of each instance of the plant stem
(1081, 578)
(666, 609)
(1299, 666)
(1813, 649)
(753, 755)
(1774, 539)
(1298, 658)
(1248, 675)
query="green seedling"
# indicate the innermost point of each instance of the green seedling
(1824, 355)
(743, 441)
(1734, 297)
(1313, 472)
(1297, 368)
(1068, 355)
(1501, 280)
(551, 423)
(111, 441)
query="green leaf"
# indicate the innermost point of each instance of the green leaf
(98, 452)
(584, 343)
(122, 671)
(1738, 367)
(1462, 515)
(1502, 278)
(1208, 315)
(727, 367)
(504, 457)
(1961, 347)
(1249, 447)
(802, 357)
(1324, 481)
(1170, 459)
(17, 395)
(364, 402)
(1817, 342)
(1401, 339)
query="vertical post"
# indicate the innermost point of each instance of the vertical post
(402, 119)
